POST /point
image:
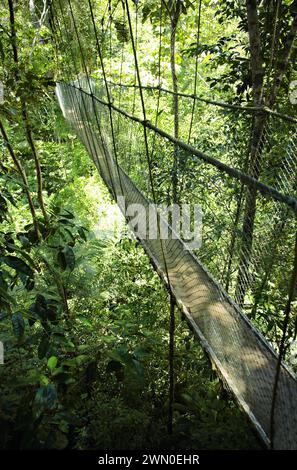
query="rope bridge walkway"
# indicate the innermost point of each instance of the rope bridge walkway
(220, 287)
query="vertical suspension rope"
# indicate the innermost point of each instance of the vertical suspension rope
(172, 319)
(172, 306)
(171, 363)
(134, 89)
(93, 105)
(107, 91)
(287, 312)
(196, 72)
(76, 72)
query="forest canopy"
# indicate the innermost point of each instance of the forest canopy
(192, 102)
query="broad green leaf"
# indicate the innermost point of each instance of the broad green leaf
(45, 399)
(66, 258)
(52, 362)
(84, 321)
(69, 257)
(43, 347)
(18, 324)
(17, 264)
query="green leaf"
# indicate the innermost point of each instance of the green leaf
(84, 321)
(17, 264)
(52, 362)
(43, 347)
(27, 258)
(23, 239)
(61, 260)
(45, 399)
(68, 214)
(66, 258)
(18, 324)
(69, 257)
(82, 233)
(66, 222)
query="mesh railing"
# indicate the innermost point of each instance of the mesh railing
(244, 358)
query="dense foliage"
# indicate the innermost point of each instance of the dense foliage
(84, 318)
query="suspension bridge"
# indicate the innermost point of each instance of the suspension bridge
(213, 286)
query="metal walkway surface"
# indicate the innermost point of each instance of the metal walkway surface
(243, 357)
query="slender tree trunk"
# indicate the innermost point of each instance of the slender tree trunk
(255, 51)
(171, 363)
(31, 143)
(260, 120)
(60, 286)
(283, 61)
(24, 179)
(255, 150)
(28, 130)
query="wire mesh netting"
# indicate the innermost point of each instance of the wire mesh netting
(242, 355)
(143, 131)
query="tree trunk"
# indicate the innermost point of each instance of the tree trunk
(260, 120)
(25, 117)
(31, 143)
(24, 179)
(283, 61)
(255, 149)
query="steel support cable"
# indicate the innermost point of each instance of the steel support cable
(248, 226)
(239, 205)
(159, 79)
(172, 298)
(255, 259)
(77, 74)
(80, 91)
(258, 376)
(90, 132)
(69, 89)
(93, 105)
(121, 73)
(111, 12)
(53, 35)
(110, 106)
(146, 138)
(136, 41)
(247, 281)
(85, 135)
(57, 27)
(134, 89)
(233, 172)
(287, 313)
(196, 71)
(222, 104)
(110, 39)
(274, 42)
